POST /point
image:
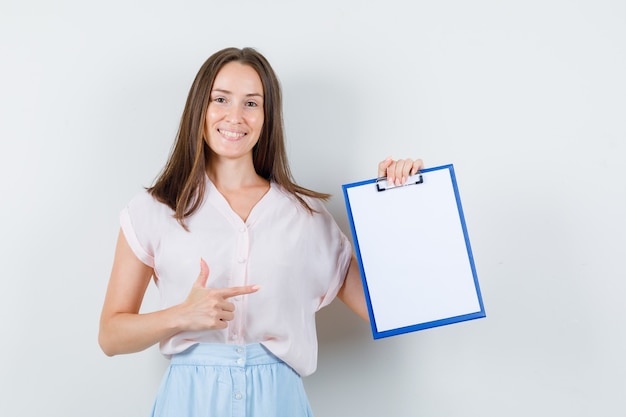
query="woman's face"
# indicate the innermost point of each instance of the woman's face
(235, 114)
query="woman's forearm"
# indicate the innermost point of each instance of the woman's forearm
(129, 332)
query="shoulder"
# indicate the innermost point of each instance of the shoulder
(317, 221)
(145, 202)
(145, 209)
(317, 205)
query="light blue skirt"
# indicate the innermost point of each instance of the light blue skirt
(219, 380)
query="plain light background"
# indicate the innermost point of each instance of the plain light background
(526, 98)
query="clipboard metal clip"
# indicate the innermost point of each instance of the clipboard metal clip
(382, 185)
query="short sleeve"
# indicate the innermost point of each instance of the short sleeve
(140, 229)
(340, 255)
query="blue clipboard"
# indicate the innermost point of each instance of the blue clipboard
(414, 252)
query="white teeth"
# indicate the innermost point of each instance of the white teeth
(231, 134)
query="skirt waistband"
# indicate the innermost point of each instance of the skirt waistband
(219, 354)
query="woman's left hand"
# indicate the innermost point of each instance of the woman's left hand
(398, 171)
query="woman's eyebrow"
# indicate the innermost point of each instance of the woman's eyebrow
(219, 90)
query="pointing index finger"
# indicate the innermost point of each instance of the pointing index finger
(235, 291)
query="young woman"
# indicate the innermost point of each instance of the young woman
(243, 257)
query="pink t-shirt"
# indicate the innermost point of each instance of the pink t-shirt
(298, 259)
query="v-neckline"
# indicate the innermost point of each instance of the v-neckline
(219, 200)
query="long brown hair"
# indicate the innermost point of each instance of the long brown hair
(181, 185)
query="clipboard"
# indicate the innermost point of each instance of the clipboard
(414, 252)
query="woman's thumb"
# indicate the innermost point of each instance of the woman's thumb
(203, 276)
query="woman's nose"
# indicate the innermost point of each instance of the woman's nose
(235, 114)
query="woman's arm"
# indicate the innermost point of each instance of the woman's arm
(124, 330)
(351, 292)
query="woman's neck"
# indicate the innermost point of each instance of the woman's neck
(238, 183)
(233, 174)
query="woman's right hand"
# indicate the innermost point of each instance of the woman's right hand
(209, 308)
(123, 329)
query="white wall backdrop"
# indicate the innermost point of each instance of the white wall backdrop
(526, 98)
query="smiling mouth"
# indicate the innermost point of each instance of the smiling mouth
(231, 135)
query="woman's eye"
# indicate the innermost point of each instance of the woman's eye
(251, 104)
(219, 100)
